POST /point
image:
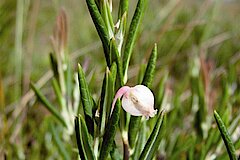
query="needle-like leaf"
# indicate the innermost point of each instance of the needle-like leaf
(226, 137)
(116, 58)
(153, 140)
(132, 35)
(86, 98)
(149, 73)
(110, 132)
(100, 26)
(47, 104)
(83, 139)
(107, 97)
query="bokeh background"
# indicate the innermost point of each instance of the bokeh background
(183, 30)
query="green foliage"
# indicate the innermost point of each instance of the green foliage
(226, 137)
(83, 139)
(189, 56)
(48, 105)
(110, 131)
(132, 35)
(154, 140)
(86, 99)
(147, 81)
(59, 143)
(100, 26)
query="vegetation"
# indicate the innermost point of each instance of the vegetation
(57, 85)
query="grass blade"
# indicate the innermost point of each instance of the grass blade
(19, 46)
(225, 136)
(161, 90)
(59, 143)
(47, 104)
(83, 139)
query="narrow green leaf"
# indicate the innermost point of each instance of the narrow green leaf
(141, 73)
(113, 71)
(103, 104)
(100, 26)
(59, 143)
(83, 139)
(132, 35)
(187, 143)
(110, 132)
(192, 148)
(209, 27)
(47, 104)
(107, 17)
(140, 142)
(161, 133)
(213, 138)
(85, 94)
(202, 103)
(133, 130)
(57, 91)
(54, 65)
(153, 140)
(225, 95)
(86, 98)
(79, 139)
(69, 81)
(115, 58)
(107, 94)
(110, 16)
(198, 99)
(226, 137)
(161, 89)
(149, 73)
(123, 8)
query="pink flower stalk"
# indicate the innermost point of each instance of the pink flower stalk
(138, 100)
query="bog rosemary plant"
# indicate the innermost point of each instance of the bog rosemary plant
(107, 117)
(139, 117)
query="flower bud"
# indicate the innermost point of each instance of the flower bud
(138, 100)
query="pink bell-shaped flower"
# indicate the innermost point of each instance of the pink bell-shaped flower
(137, 101)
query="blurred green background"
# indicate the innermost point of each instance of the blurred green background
(183, 30)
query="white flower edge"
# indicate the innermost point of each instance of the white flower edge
(137, 100)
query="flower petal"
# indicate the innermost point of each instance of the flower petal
(143, 100)
(119, 94)
(129, 106)
(137, 101)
